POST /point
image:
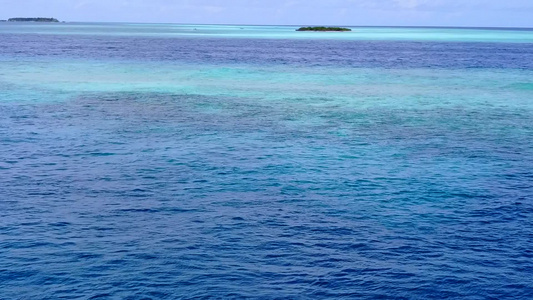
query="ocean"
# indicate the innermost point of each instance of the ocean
(168, 161)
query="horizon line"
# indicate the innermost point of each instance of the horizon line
(295, 25)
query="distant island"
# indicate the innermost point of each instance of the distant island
(322, 28)
(33, 20)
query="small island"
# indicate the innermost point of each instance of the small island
(52, 20)
(322, 28)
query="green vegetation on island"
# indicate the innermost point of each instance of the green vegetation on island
(33, 20)
(322, 28)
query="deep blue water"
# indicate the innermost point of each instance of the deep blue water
(143, 167)
(259, 52)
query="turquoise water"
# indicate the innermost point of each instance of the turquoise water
(159, 161)
(272, 32)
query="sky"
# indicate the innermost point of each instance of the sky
(482, 13)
